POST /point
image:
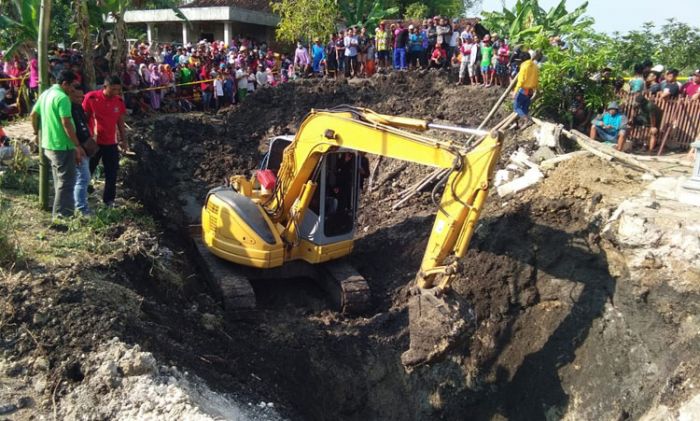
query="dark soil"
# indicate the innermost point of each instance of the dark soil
(537, 276)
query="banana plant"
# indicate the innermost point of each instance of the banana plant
(363, 13)
(528, 20)
(24, 29)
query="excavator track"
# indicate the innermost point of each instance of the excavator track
(234, 287)
(348, 289)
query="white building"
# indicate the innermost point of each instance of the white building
(208, 19)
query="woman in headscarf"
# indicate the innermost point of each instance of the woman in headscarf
(166, 78)
(133, 74)
(145, 76)
(155, 82)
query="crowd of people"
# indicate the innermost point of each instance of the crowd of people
(80, 130)
(212, 74)
(650, 85)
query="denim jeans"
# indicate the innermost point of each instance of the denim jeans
(63, 171)
(82, 180)
(399, 58)
(521, 104)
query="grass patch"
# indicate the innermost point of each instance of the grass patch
(20, 173)
(81, 239)
(10, 251)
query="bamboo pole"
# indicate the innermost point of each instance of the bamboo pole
(621, 156)
(586, 146)
(43, 54)
(440, 172)
(664, 160)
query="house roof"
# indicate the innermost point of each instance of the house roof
(257, 5)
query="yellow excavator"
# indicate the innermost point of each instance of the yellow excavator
(297, 216)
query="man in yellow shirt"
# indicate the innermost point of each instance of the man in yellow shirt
(528, 81)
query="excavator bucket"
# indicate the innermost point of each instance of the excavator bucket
(437, 321)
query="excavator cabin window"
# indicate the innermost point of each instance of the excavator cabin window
(340, 191)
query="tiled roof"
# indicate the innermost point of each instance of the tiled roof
(258, 5)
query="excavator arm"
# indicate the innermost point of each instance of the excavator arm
(466, 183)
(260, 228)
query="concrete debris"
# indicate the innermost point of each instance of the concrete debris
(551, 163)
(548, 134)
(529, 179)
(658, 235)
(520, 164)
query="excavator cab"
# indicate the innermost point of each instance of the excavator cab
(332, 211)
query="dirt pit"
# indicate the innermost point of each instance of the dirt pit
(563, 327)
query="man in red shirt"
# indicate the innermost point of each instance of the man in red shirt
(692, 88)
(105, 114)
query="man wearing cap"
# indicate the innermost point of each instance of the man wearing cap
(692, 88)
(670, 88)
(610, 127)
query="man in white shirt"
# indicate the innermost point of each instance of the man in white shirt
(261, 77)
(351, 42)
(242, 80)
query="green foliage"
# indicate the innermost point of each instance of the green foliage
(106, 218)
(19, 26)
(527, 22)
(449, 8)
(363, 13)
(416, 10)
(676, 45)
(17, 176)
(566, 73)
(305, 19)
(9, 248)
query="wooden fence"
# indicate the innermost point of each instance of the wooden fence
(680, 116)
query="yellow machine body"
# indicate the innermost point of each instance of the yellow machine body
(248, 225)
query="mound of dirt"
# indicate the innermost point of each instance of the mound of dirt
(554, 319)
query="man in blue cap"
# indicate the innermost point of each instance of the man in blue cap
(610, 127)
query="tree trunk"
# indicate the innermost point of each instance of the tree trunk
(119, 54)
(43, 56)
(82, 19)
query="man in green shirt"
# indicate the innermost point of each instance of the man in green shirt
(52, 115)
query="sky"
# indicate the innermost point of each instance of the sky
(622, 15)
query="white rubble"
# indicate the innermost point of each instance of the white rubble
(122, 382)
(655, 233)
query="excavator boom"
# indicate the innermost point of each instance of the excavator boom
(295, 220)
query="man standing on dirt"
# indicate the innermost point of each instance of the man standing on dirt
(382, 37)
(528, 81)
(52, 114)
(105, 115)
(351, 43)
